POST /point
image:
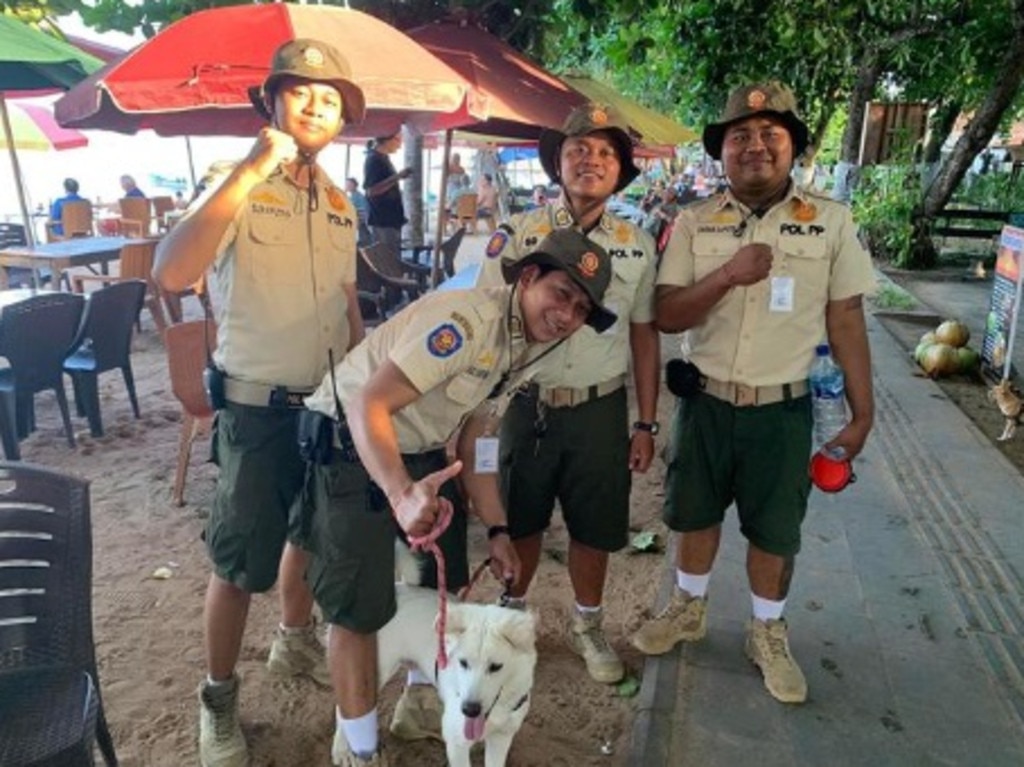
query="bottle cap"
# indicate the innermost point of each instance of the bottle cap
(831, 475)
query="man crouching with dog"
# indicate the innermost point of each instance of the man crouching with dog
(375, 436)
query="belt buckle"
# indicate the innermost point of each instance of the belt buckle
(744, 395)
(281, 397)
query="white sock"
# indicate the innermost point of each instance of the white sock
(766, 609)
(694, 585)
(360, 733)
(415, 676)
(587, 610)
(294, 629)
(215, 683)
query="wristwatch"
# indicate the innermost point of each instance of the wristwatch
(652, 426)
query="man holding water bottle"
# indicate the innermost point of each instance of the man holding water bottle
(758, 275)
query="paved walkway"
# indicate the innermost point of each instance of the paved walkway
(906, 613)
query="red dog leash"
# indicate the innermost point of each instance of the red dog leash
(428, 542)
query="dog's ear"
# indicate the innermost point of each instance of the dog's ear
(455, 623)
(520, 630)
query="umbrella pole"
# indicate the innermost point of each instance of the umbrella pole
(191, 162)
(442, 202)
(30, 236)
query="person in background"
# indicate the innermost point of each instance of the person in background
(180, 203)
(70, 195)
(362, 207)
(458, 178)
(281, 238)
(538, 199)
(383, 191)
(487, 197)
(568, 439)
(129, 187)
(757, 275)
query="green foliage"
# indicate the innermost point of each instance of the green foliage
(883, 203)
(993, 191)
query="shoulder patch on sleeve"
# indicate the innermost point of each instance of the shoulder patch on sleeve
(444, 340)
(496, 245)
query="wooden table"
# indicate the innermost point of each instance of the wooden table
(58, 256)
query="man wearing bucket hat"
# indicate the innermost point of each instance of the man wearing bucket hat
(568, 437)
(758, 275)
(390, 407)
(281, 238)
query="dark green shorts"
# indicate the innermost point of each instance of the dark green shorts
(352, 541)
(755, 456)
(582, 461)
(261, 476)
(351, 535)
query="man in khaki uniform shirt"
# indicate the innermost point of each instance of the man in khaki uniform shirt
(403, 393)
(281, 239)
(758, 276)
(569, 439)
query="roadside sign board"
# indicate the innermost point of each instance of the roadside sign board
(1004, 307)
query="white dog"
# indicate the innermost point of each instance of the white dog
(485, 688)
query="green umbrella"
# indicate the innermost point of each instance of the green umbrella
(31, 60)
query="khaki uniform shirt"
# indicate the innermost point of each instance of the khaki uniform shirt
(280, 271)
(587, 357)
(815, 249)
(454, 347)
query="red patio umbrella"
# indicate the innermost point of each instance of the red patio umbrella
(193, 77)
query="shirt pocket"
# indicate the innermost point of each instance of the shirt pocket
(806, 260)
(467, 389)
(278, 253)
(711, 252)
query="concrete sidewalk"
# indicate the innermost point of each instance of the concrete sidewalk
(906, 613)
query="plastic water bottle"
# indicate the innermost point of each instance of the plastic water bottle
(828, 395)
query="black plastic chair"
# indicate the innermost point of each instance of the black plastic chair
(104, 342)
(51, 710)
(37, 335)
(449, 248)
(397, 288)
(12, 234)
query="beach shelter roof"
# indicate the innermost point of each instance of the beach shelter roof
(31, 60)
(193, 77)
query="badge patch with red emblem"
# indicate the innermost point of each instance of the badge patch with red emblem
(599, 117)
(804, 211)
(756, 99)
(444, 340)
(496, 244)
(336, 198)
(588, 264)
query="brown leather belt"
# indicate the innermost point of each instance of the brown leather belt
(564, 396)
(742, 395)
(264, 395)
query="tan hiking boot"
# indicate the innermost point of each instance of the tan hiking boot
(587, 638)
(768, 648)
(418, 714)
(299, 653)
(342, 756)
(221, 743)
(683, 619)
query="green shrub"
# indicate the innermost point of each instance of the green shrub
(883, 201)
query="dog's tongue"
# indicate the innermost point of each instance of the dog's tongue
(473, 728)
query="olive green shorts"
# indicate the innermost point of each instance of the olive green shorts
(255, 506)
(755, 456)
(582, 461)
(350, 531)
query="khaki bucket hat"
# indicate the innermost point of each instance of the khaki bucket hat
(583, 120)
(316, 61)
(770, 97)
(586, 263)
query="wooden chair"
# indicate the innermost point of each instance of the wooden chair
(465, 212)
(162, 205)
(136, 264)
(187, 353)
(135, 216)
(75, 221)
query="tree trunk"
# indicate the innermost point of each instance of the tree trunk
(412, 194)
(942, 123)
(848, 168)
(976, 136)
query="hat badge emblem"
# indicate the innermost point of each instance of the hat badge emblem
(598, 117)
(588, 264)
(313, 57)
(756, 99)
